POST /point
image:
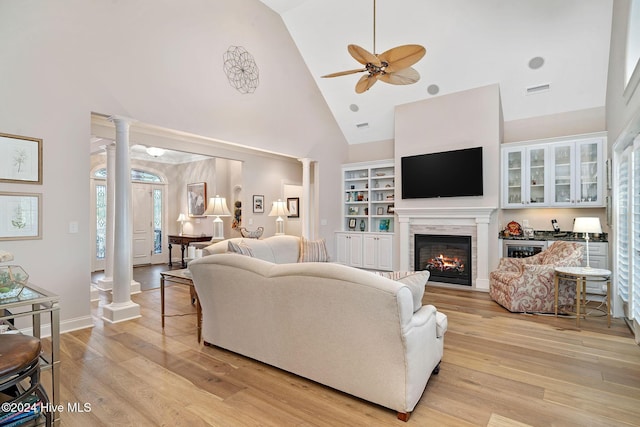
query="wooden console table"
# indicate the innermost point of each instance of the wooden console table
(183, 240)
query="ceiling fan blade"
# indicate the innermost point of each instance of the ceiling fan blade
(402, 57)
(406, 76)
(344, 73)
(365, 83)
(363, 56)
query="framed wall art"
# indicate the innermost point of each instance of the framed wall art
(197, 197)
(258, 203)
(20, 159)
(20, 216)
(292, 205)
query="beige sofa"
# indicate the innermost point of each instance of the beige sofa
(349, 329)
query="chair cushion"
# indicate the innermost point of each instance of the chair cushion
(313, 251)
(415, 281)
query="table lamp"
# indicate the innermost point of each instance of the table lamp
(587, 225)
(217, 207)
(181, 219)
(279, 208)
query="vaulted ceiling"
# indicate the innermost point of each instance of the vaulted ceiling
(548, 56)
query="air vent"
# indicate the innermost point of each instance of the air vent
(364, 125)
(539, 88)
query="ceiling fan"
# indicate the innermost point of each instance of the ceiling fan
(392, 66)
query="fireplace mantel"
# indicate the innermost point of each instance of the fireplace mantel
(466, 216)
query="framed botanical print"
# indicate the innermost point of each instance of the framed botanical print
(20, 159)
(197, 198)
(258, 203)
(292, 206)
(20, 216)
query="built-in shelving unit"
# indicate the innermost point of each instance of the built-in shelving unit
(366, 236)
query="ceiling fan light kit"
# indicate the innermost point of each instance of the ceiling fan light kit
(392, 66)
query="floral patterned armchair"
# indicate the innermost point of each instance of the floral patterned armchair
(527, 284)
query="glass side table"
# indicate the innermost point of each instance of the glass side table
(34, 302)
(580, 275)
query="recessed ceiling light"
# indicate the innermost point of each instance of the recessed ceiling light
(535, 63)
(155, 151)
(354, 107)
(433, 89)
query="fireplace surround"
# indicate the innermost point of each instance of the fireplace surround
(471, 221)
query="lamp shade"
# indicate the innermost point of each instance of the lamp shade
(587, 225)
(181, 217)
(279, 208)
(217, 207)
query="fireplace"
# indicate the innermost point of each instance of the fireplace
(447, 258)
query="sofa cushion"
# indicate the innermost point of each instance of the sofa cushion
(415, 281)
(313, 251)
(240, 248)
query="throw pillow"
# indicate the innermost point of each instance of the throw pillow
(240, 248)
(415, 281)
(313, 251)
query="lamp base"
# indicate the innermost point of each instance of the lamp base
(218, 229)
(279, 226)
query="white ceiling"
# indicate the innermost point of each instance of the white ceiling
(470, 43)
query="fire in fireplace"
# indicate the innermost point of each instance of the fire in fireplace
(447, 258)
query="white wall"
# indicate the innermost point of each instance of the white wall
(470, 118)
(159, 62)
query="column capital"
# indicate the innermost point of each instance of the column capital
(117, 119)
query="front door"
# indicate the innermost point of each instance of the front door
(142, 243)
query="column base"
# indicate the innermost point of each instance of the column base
(105, 284)
(120, 312)
(94, 293)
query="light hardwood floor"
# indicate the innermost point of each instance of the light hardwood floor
(499, 369)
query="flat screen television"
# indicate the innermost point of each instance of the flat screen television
(454, 173)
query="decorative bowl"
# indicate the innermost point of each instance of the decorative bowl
(255, 234)
(13, 279)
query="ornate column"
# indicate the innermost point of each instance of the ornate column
(306, 198)
(121, 307)
(106, 283)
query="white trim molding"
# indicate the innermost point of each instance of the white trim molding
(478, 217)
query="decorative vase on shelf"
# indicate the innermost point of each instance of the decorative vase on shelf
(362, 225)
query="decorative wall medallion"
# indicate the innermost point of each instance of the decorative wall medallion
(241, 69)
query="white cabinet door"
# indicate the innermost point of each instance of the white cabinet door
(378, 252)
(524, 179)
(589, 173)
(342, 248)
(385, 253)
(562, 169)
(370, 251)
(355, 250)
(349, 249)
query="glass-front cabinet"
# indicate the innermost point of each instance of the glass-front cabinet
(577, 173)
(525, 177)
(567, 172)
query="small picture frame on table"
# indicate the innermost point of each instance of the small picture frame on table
(352, 223)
